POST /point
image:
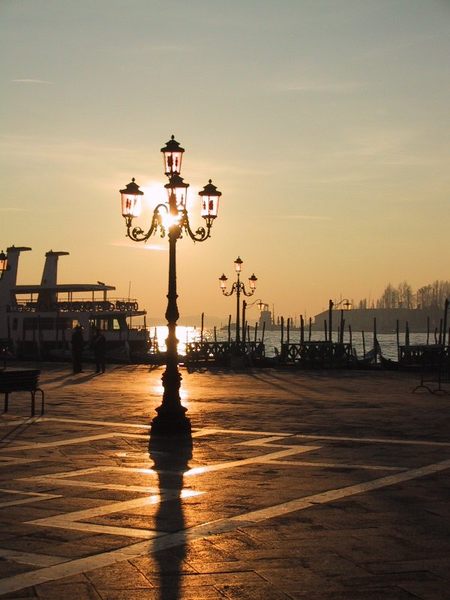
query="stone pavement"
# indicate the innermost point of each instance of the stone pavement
(298, 485)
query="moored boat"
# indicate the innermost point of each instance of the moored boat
(36, 321)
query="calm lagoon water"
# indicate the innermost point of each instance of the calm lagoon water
(272, 339)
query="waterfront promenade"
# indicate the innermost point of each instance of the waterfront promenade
(298, 485)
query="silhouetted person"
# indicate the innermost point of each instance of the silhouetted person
(77, 348)
(98, 345)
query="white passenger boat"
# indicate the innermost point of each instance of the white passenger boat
(36, 321)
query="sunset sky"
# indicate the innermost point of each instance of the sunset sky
(324, 123)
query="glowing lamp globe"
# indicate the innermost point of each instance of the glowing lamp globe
(238, 264)
(210, 201)
(252, 281)
(177, 188)
(131, 200)
(173, 155)
(223, 281)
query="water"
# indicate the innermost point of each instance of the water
(272, 339)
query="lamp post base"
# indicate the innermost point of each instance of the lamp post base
(171, 424)
(171, 419)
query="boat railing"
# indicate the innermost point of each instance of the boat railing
(81, 305)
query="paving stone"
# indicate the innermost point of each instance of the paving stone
(297, 486)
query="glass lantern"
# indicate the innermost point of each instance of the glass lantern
(210, 201)
(131, 200)
(178, 189)
(252, 281)
(173, 155)
(3, 263)
(223, 281)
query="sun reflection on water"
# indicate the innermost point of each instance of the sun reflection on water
(184, 334)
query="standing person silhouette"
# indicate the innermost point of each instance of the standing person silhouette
(98, 345)
(77, 349)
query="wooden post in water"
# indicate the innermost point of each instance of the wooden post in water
(215, 334)
(350, 338)
(428, 330)
(244, 326)
(302, 330)
(330, 318)
(229, 328)
(263, 332)
(375, 341)
(363, 343)
(310, 327)
(397, 337)
(406, 333)
(282, 331)
(256, 332)
(342, 327)
(288, 330)
(325, 329)
(202, 327)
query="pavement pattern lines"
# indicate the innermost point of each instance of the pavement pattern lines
(264, 448)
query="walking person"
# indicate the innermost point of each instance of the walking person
(77, 349)
(98, 345)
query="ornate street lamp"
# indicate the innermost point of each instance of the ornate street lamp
(3, 264)
(237, 288)
(171, 418)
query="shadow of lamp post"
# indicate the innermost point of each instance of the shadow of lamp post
(238, 288)
(171, 217)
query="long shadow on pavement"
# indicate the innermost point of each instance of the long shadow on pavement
(170, 462)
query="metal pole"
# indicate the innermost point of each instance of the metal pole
(171, 418)
(238, 306)
(244, 308)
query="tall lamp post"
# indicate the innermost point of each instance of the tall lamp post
(171, 217)
(238, 288)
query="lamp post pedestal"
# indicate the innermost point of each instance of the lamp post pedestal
(171, 418)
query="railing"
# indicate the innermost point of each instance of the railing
(319, 354)
(222, 352)
(78, 306)
(421, 354)
(434, 363)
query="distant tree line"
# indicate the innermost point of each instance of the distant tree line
(432, 295)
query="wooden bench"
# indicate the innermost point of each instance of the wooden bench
(21, 380)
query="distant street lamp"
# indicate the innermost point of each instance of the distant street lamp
(171, 216)
(237, 288)
(3, 264)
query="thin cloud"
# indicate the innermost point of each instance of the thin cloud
(147, 247)
(11, 209)
(303, 217)
(315, 87)
(38, 81)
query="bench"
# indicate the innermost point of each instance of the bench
(21, 380)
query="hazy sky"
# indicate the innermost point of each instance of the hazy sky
(325, 124)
